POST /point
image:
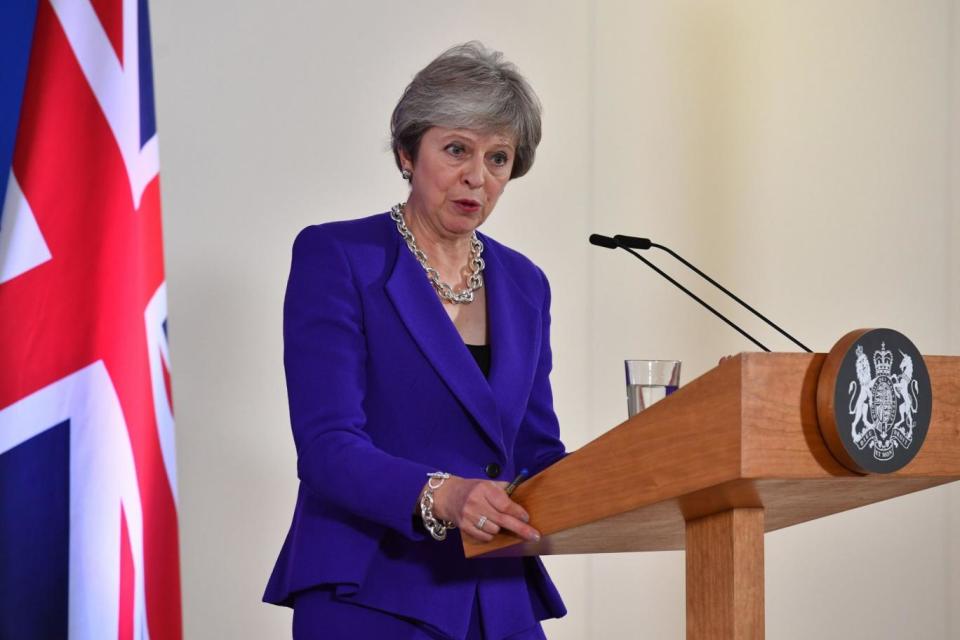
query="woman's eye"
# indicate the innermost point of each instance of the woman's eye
(500, 159)
(455, 149)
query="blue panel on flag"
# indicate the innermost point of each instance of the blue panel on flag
(35, 536)
(16, 33)
(148, 114)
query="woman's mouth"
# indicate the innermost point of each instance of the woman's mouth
(467, 205)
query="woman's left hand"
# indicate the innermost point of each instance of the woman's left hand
(469, 502)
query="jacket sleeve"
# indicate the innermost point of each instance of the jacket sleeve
(538, 442)
(324, 358)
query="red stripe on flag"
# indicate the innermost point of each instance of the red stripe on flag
(125, 631)
(166, 382)
(110, 13)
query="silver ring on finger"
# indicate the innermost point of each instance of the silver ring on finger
(482, 521)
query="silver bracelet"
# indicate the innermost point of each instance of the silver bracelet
(437, 528)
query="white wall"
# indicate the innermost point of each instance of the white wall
(804, 153)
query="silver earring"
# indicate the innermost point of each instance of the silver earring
(406, 175)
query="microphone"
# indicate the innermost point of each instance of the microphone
(603, 241)
(633, 243)
(611, 243)
(646, 243)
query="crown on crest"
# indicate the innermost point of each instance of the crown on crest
(883, 360)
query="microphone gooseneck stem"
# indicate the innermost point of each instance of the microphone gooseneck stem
(695, 297)
(731, 294)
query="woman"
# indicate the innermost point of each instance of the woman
(417, 374)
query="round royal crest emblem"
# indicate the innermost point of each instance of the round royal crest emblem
(874, 400)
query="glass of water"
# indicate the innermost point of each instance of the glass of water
(649, 381)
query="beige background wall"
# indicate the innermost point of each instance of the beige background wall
(806, 154)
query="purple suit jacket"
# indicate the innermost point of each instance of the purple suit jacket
(382, 391)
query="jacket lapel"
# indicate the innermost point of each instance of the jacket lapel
(514, 326)
(422, 312)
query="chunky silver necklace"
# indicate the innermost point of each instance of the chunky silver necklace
(444, 290)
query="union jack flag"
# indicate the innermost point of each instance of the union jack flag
(88, 499)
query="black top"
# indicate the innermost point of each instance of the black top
(481, 353)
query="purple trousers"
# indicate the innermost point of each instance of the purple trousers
(318, 615)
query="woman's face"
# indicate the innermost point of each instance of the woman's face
(458, 177)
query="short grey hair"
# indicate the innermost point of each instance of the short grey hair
(471, 87)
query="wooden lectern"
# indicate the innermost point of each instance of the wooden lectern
(709, 469)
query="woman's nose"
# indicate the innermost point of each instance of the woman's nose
(473, 173)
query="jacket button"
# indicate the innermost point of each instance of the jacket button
(492, 470)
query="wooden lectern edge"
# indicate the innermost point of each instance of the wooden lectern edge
(705, 503)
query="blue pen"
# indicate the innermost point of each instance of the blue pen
(516, 481)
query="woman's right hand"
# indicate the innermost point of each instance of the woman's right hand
(465, 501)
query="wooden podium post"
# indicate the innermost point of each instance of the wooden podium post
(731, 455)
(725, 575)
